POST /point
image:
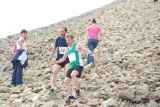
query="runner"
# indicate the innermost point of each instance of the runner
(19, 60)
(60, 46)
(75, 67)
(94, 33)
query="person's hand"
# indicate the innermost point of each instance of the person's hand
(50, 49)
(99, 39)
(52, 62)
(56, 61)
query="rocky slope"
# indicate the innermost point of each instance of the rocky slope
(127, 71)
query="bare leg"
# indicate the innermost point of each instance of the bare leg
(68, 87)
(75, 82)
(55, 70)
(65, 69)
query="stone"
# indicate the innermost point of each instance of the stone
(4, 89)
(37, 90)
(127, 60)
(93, 102)
(109, 103)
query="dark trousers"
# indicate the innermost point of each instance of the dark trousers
(17, 69)
(92, 44)
(17, 73)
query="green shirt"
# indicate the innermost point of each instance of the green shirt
(74, 56)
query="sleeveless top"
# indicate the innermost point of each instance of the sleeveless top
(75, 58)
(61, 46)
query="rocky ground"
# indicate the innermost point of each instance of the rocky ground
(127, 71)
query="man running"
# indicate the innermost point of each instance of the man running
(19, 60)
(94, 33)
(60, 47)
(75, 67)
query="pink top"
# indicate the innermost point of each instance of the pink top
(94, 31)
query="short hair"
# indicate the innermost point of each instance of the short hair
(71, 35)
(94, 21)
(24, 31)
(65, 29)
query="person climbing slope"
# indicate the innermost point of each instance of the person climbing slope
(94, 36)
(75, 67)
(59, 47)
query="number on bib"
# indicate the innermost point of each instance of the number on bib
(72, 57)
(62, 50)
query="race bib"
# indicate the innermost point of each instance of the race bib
(72, 57)
(62, 50)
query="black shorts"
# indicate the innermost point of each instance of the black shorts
(78, 68)
(63, 64)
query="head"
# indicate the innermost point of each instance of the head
(24, 33)
(70, 38)
(65, 29)
(62, 31)
(94, 21)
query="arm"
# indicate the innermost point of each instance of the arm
(20, 41)
(13, 50)
(25, 44)
(54, 46)
(12, 46)
(62, 59)
(83, 50)
(52, 49)
(99, 37)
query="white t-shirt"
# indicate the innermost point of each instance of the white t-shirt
(21, 44)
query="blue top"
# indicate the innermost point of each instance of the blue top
(61, 45)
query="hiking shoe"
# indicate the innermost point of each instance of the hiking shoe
(52, 92)
(70, 99)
